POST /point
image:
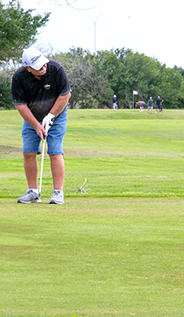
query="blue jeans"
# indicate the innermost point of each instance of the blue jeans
(31, 140)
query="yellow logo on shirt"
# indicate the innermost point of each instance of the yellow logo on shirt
(47, 86)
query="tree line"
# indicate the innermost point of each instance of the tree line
(94, 78)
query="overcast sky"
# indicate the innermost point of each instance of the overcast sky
(154, 28)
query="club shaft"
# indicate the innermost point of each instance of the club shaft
(41, 171)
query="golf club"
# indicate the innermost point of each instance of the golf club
(41, 171)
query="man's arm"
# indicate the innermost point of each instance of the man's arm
(29, 118)
(60, 104)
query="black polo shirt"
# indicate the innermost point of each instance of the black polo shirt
(158, 101)
(39, 95)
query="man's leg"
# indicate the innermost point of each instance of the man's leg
(58, 171)
(31, 169)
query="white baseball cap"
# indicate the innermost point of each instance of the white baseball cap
(34, 58)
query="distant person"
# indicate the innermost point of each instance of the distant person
(157, 104)
(116, 105)
(141, 104)
(150, 105)
(114, 102)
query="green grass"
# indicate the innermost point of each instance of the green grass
(116, 250)
(119, 157)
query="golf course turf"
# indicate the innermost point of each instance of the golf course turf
(115, 248)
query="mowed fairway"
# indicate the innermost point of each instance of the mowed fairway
(116, 250)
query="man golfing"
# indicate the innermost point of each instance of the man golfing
(40, 92)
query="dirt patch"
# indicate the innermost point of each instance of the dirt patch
(8, 149)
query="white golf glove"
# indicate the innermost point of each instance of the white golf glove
(48, 121)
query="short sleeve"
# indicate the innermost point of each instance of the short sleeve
(63, 86)
(18, 94)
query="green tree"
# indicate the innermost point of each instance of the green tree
(5, 96)
(88, 86)
(112, 69)
(18, 29)
(170, 87)
(143, 75)
(181, 97)
(5, 90)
